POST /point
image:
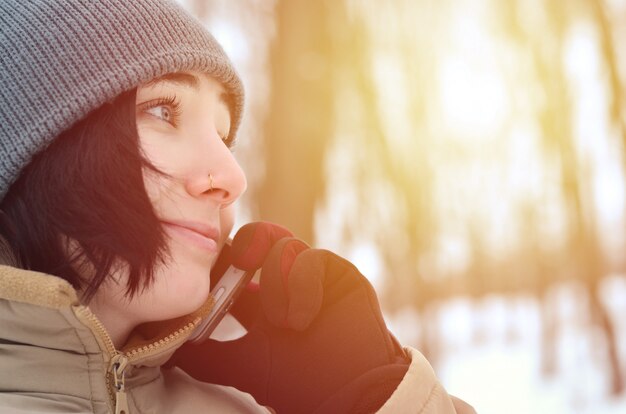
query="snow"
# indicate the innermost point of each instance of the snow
(491, 351)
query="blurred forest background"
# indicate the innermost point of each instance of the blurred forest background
(470, 157)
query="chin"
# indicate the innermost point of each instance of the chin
(189, 304)
(186, 287)
(196, 290)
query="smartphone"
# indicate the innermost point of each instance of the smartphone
(225, 292)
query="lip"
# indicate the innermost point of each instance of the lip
(199, 234)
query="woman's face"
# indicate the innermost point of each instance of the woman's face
(183, 124)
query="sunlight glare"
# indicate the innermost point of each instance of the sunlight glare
(472, 90)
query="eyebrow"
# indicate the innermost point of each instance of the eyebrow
(179, 78)
(187, 80)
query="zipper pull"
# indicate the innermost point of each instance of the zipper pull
(119, 366)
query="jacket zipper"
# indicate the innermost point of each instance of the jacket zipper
(117, 396)
(155, 347)
(118, 368)
(119, 361)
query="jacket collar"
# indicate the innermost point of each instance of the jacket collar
(150, 344)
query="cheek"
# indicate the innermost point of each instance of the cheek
(153, 190)
(165, 151)
(151, 183)
(157, 187)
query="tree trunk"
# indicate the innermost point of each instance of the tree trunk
(299, 126)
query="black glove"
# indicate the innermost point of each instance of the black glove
(316, 340)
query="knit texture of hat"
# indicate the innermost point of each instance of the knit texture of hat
(61, 59)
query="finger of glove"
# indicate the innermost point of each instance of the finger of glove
(275, 282)
(322, 282)
(340, 278)
(295, 283)
(253, 242)
(317, 278)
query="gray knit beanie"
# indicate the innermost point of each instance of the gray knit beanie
(61, 59)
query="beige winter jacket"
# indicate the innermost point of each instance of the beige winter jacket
(56, 357)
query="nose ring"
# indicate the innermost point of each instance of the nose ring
(210, 182)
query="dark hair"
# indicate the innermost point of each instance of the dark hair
(88, 186)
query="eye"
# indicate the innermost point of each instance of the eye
(166, 109)
(161, 111)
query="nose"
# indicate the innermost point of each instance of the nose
(220, 177)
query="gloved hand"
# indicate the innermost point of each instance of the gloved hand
(316, 340)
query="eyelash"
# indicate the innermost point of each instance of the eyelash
(174, 104)
(170, 101)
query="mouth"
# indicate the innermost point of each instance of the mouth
(201, 235)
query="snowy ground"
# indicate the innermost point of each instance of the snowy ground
(491, 353)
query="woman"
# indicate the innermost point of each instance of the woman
(116, 175)
(117, 186)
